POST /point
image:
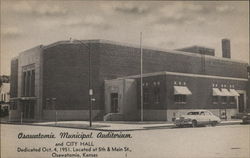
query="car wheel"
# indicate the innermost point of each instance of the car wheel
(194, 123)
(214, 123)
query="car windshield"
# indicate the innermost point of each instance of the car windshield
(193, 113)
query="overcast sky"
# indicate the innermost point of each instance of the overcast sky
(165, 24)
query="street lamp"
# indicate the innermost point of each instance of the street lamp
(90, 81)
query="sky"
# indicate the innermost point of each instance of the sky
(164, 24)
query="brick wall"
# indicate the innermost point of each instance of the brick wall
(150, 86)
(201, 89)
(65, 75)
(66, 69)
(117, 60)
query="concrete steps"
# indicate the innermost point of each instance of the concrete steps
(113, 117)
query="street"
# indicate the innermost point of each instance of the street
(230, 141)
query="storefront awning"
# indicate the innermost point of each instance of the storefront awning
(24, 98)
(181, 90)
(233, 92)
(28, 98)
(225, 92)
(217, 92)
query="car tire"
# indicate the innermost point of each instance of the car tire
(214, 123)
(194, 123)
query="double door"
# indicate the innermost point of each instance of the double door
(241, 103)
(28, 109)
(114, 102)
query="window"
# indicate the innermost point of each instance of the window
(207, 113)
(193, 113)
(180, 98)
(32, 88)
(232, 100)
(215, 99)
(28, 82)
(157, 95)
(224, 99)
(202, 113)
(48, 104)
(13, 105)
(146, 96)
(24, 84)
(2, 97)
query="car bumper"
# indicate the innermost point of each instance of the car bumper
(181, 123)
(245, 121)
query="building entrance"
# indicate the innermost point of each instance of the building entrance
(114, 102)
(28, 109)
(241, 103)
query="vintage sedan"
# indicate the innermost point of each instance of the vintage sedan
(197, 118)
(246, 118)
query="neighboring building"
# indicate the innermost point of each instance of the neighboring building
(55, 79)
(5, 95)
(248, 96)
(198, 50)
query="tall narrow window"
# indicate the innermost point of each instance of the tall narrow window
(146, 95)
(156, 94)
(28, 83)
(23, 83)
(32, 83)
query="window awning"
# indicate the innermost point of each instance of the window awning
(233, 92)
(217, 92)
(225, 92)
(181, 90)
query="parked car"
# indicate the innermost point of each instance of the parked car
(246, 118)
(197, 118)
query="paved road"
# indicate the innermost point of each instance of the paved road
(232, 141)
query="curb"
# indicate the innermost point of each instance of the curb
(168, 126)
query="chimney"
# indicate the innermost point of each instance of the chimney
(226, 51)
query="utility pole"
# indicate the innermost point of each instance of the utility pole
(141, 76)
(90, 91)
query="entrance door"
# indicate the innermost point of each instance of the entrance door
(28, 109)
(241, 102)
(114, 102)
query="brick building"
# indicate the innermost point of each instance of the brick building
(55, 78)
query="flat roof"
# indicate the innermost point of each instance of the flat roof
(182, 74)
(194, 46)
(144, 47)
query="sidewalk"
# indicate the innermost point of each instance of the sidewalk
(110, 125)
(114, 125)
